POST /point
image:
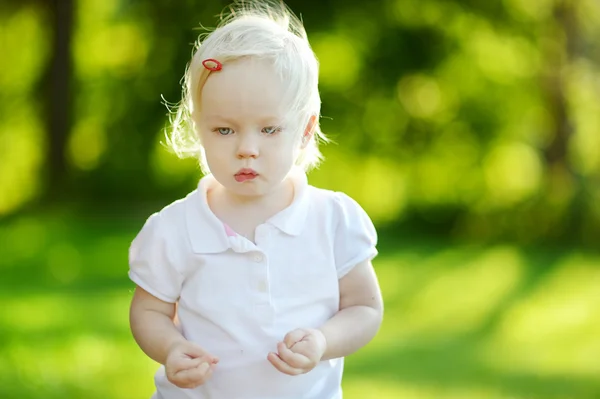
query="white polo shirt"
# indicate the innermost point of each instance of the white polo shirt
(237, 298)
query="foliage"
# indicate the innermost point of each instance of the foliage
(481, 118)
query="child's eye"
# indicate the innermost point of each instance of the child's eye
(223, 131)
(271, 129)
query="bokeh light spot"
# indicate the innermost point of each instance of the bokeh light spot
(339, 60)
(87, 143)
(513, 172)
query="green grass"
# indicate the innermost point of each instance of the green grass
(462, 322)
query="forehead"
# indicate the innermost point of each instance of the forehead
(245, 87)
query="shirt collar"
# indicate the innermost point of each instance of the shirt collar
(208, 234)
(292, 219)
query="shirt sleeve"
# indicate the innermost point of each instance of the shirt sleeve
(356, 237)
(151, 262)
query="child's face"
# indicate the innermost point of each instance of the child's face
(249, 147)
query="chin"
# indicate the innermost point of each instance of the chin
(248, 188)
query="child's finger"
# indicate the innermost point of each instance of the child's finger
(304, 348)
(293, 336)
(191, 378)
(194, 350)
(184, 364)
(282, 366)
(209, 359)
(295, 360)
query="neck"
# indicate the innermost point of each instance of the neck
(281, 194)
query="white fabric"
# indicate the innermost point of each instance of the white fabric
(237, 299)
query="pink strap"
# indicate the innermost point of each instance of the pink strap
(229, 231)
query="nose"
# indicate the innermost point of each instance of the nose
(247, 146)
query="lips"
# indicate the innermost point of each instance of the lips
(245, 174)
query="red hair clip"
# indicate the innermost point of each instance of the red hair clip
(212, 65)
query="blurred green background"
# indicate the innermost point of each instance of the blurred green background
(469, 130)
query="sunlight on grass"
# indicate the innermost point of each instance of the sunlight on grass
(461, 322)
(85, 362)
(450, 295)
(50, 311)
(555, 329)
(34, 314)
(380, 389)
(460, 298)
(74, 343)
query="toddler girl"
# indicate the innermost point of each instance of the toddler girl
(257, 284)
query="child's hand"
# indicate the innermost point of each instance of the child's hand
(188, 365)
(300, 351)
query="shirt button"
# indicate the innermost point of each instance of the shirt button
(262, 286)
(258, 258)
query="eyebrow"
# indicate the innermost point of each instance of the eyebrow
(220, 118)
(270, 118)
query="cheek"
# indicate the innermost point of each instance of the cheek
(293, 142)
(202, 138)
(213, 150)
(285, 149)
(212, 142)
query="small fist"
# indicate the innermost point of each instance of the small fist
(300, 351)
(188, 365)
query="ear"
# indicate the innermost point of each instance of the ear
(309, 131)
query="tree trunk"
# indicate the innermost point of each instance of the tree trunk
(564, 14)
(564, 187)
(57, 93)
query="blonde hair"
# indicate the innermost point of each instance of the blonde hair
(263, 29)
